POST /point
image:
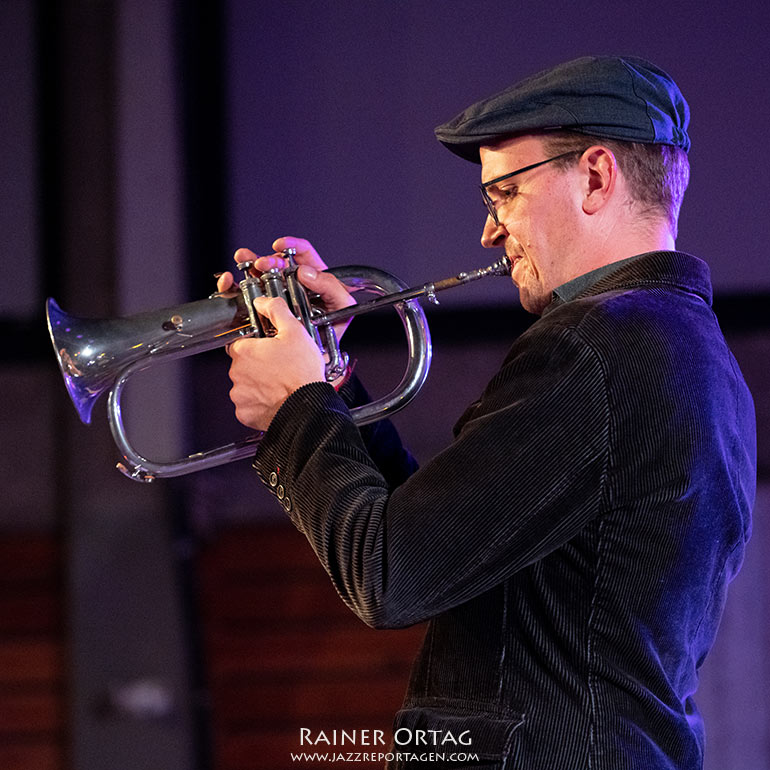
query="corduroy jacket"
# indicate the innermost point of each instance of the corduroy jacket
(571, 548)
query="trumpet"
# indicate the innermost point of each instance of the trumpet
(98, 355)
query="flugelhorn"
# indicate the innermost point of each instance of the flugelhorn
(98, 355)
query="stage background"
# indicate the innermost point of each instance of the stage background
(152, 626)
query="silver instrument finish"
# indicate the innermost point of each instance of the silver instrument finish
(96, 355)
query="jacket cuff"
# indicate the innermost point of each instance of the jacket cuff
(302, 419)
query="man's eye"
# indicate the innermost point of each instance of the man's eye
(506, 193)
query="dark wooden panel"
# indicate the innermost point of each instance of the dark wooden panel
(342, 648)
(19, 755)
(250, 551)
(30, 611)
(31, 654)
(28, 559)
(29, 660)
(308, 702)
(283, 652)
(30, 713)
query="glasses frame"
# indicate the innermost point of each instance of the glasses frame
(490, 204)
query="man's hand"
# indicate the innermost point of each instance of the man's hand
(333, 293)
(265, 371)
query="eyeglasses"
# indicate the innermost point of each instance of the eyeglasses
(491, 205)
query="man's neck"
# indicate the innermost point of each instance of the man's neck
(623, 243)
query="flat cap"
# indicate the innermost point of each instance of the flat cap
(615, 97)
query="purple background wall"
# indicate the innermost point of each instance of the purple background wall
(332, 108)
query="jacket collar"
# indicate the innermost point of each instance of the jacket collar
(654, 268)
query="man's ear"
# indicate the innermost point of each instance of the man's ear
(600, 174)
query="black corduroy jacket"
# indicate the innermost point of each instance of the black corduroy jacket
(572, 547)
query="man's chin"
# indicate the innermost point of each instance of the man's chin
(532, 303)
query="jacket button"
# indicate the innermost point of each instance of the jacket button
(286, 502)
(273, 479)
(279, 490)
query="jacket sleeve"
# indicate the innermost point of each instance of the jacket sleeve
(523, 476)
(380, 438)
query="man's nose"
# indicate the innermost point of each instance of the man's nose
(493, 235)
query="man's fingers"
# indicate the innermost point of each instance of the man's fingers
(334, 294)
(232, 347)
(244, 255)
(259, 264)
(306, 253)
(277, 312)
(263, 264)
(224, 282)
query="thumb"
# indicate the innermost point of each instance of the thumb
(277, 312)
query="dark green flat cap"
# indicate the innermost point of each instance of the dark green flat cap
(614, 97)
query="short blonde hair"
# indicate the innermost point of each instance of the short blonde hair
(657, 174)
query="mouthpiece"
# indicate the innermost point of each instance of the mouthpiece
(501, 267)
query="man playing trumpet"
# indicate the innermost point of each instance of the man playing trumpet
(572, 547)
